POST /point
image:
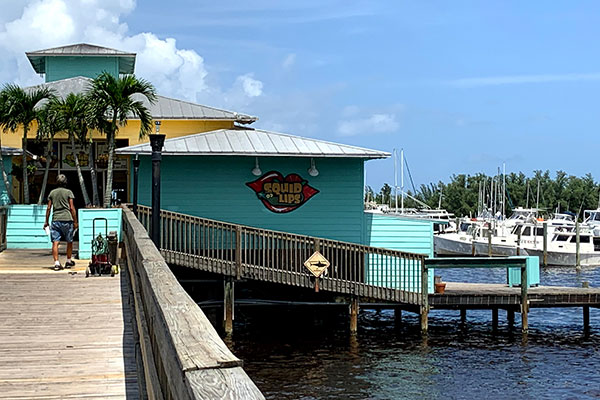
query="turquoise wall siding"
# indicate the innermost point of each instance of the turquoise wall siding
(25, 227)
(85, 218)
(215, 188)
(398, 233)
(4, 199)
(68, 67)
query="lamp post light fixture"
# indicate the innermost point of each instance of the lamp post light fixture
(157, 123)
(313, 171)
(156, 141)
(256, 171)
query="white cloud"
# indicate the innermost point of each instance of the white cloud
(41, 24)
(376, 123)
(521, 79)
(251, 86)
(289, 61)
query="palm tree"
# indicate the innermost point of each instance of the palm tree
(3, 126)
(20, 110)
(113, 103)
(71, 117)
(48, 127)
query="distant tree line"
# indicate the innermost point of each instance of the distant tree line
(466, 195)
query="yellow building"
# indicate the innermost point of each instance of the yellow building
(69, 69)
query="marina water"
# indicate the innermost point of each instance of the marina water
(306, 352)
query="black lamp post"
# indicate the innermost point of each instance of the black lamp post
(156, 141)
(136, 170)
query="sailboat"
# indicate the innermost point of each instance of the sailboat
(445, 220)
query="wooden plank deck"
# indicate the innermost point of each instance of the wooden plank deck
(63, 336)
(485, 295)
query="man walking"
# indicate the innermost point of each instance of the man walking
(64, 220)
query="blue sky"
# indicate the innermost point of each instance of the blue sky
(462, 86)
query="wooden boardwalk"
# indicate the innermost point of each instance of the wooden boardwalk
(488, 295)
(63, 336)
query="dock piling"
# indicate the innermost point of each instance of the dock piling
(354, 314)
(495, 319)
(424, 309)
(586, 319)
(463, 316)
(510, 317)
(524, 300)
(489, 236)
(398, 316)
(577, 245)
(228, 305)
(545, 257)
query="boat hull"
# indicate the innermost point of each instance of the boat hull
(452, 244)
(566, 259)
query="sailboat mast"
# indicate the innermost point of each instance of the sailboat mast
(527, 204)
(503, 190)
(537, 203)
(402, 179)
(396, 179)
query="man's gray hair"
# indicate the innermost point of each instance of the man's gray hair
(61, 180)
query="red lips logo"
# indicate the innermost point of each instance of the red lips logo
(282, 195)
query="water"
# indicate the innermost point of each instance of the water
(307, 353)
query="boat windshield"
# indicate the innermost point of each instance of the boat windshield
(591, 215)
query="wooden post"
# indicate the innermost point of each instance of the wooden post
(577, 255)
(354, 314)
(586, 318)
(545, 258)
(510, 317)
(473, 246)
(424, 309)
(524, 300)
(495, 319)
(463, 316)
(228, 305)
(489, 234)
(238, 252)
(519, 242)
(397, 316)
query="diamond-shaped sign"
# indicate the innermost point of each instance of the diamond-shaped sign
(316, 264)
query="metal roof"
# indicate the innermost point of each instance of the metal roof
(38, 58)
(11, 151)
(254, 142)
(164, 108)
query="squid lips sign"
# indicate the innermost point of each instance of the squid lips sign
(282, 195)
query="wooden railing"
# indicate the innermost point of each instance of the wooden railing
(3, 223)
(254, 253)
(183, 356)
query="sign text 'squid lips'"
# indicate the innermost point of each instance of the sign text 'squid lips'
(282, 194)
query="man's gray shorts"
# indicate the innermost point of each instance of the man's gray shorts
(61, 231)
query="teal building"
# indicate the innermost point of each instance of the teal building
(263, 179)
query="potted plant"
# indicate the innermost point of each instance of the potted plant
(440, 286)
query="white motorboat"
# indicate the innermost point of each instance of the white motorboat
(561, 250)
(460, 242)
